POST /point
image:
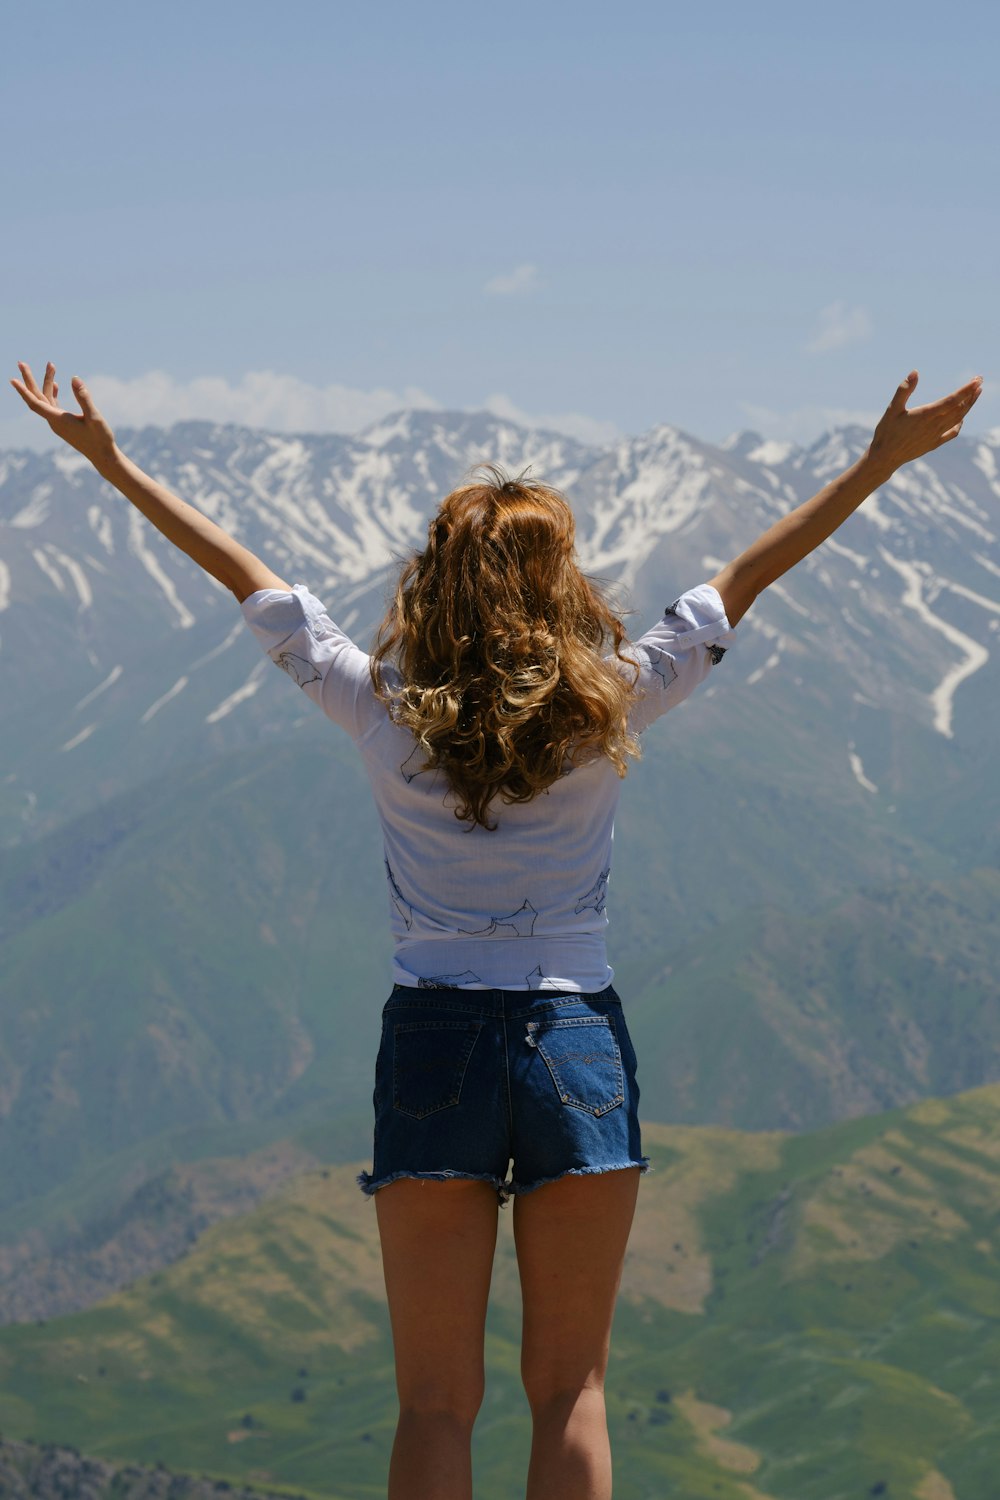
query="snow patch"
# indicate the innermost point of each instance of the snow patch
(237, 630)
(111, 678)
(859, 770)
(78, 739)
(153, 708)
(855, 624)
(385, 432)
(984, 459)
(857, 558)
(770, 452)
(786, 598)
(37, 509)
(4, 586)
(100, 524)
(967, 521)
(50, 572)
(772, 661)
(69, 463)
(987, 563)
(137, 546)
(77, 574)
(980, 599)
(246, 691)
(976, 656)
(872, 512)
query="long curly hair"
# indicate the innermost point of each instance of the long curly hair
(496, 639)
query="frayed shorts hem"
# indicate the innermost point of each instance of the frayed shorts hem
(619, 1166)
(369, 1186)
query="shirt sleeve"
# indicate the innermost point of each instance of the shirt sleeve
(677, 653)
(298, 635)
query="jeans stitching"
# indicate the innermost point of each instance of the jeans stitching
(414, 1026)
(604, 1105)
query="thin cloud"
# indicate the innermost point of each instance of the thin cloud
(261, 399)
(267, 401)
(840, 325)
(590, 430)
(803, 424)
(521, 279)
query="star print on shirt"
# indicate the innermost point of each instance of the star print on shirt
(297, 667)
(521, 923)
(662, 664)
(597, 896)
(448, 981)
(413, 765)
(403, 907)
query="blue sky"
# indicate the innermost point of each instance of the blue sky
(599, 216)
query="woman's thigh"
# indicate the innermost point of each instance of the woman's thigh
(571, 1236)
(438, 1242)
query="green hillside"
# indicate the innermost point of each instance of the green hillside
(795, 1020)
(802, 1317)
(188, 960)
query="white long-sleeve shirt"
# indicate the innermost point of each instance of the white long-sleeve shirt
(519, 908)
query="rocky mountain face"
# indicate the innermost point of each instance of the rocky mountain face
(120, 658)
(53, 1471)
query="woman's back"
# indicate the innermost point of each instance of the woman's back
(518, 905)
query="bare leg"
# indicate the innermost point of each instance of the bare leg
(438, 1241)
(571, 1237)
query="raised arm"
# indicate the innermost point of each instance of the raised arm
(900, 437)
(213, 549)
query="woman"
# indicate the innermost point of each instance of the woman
(495, 732)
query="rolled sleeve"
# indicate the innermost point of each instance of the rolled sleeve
(295, 631)
(678, 653)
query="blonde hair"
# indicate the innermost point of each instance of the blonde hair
(497, 635)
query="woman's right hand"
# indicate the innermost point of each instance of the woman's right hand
(901, 435)
(89, 434)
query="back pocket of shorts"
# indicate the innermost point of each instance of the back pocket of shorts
(429, 1060)
(584, 1059)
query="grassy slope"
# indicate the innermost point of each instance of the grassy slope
(801, 1317)
(795, 1021)
(175, 973)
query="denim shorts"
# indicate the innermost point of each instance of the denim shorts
(470, 1082)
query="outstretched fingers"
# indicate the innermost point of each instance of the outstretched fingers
(955, 400)
(904, 391)
(28, 378)
(84, 397)
(957, 405)
(37, 403)
(43, 401)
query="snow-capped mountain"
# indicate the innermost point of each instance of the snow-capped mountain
(119, 657)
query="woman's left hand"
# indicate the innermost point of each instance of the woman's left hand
(89, 434)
